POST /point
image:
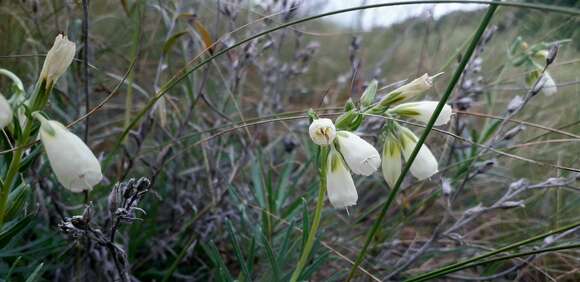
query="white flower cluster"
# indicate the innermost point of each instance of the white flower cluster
(73, 163)
(350, 153)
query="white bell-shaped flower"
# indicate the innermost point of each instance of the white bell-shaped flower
(362, 158)
(322, 131)
(422, 111)
(549, 88)
(425, 165)
(73, 163)
(391, 163)
(58, 59)
(340, 186)
(5, 112)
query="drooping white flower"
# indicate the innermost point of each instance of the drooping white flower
(5, 112)
(425, 164)
(58, 59)
(422, 111)
(391, 162)
(340, 186)
(362, 158)
(549, 87)
(322, 131)
(73, 163)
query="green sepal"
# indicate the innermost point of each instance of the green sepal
(368, 96)
(311, 115)
(350, 120)
(349, 105)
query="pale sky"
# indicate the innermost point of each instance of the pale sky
(387, 15)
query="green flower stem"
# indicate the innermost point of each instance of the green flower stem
(317, 215)
(470, 262)
(38, 101)
(13, 170)
(428, 127)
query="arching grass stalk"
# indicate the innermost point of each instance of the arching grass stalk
(322, 163)
(472, 45)
(186, 71)
(471, 262)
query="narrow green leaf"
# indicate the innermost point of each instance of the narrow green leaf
(36, 273)
(271, 257)
(171, 41)
(10, 229)
(238, 250)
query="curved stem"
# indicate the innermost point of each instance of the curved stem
(38, 101)
(472, 261)
(430, 124)
(317, 215)
(13, 170)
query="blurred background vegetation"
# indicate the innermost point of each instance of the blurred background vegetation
(230, 202)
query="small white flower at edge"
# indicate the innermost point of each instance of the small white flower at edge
(5, 112)
(58, 59)
(73, 163)
(422, 111)
(425, 164)
(340, 186)
(322, 131)
(360, 156)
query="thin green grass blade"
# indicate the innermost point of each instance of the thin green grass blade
(238, 251)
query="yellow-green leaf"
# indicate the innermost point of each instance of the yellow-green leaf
(171, 40)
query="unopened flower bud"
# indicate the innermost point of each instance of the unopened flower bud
(349, 105)
(57, 60)
(350, 120)
(73, 163)
(408, 90)
(368, 97)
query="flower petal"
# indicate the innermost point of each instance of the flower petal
(391, 161)
(73, 163)
(322, 131)
(422, 111)
(362, 158)
(340, 186)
